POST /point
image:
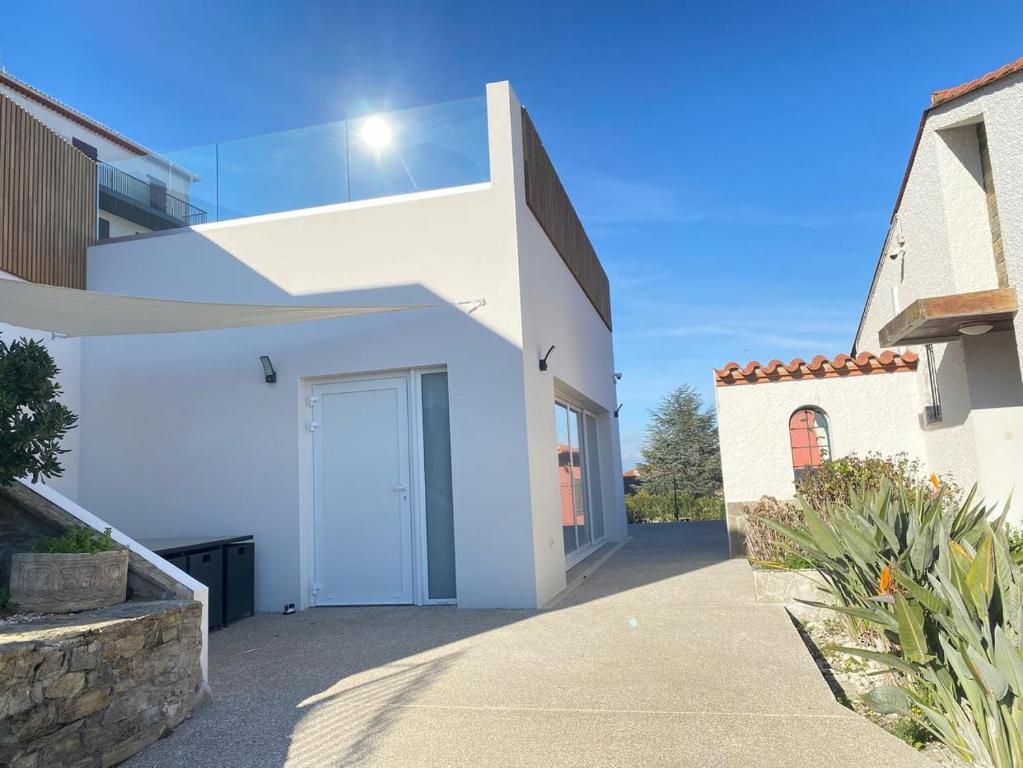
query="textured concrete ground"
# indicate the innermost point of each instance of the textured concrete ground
(659, 657)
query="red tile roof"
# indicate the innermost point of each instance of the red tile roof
(947, 94)
(820, 367)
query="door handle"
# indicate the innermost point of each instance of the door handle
(401, 488)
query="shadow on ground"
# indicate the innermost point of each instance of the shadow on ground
(659, 657)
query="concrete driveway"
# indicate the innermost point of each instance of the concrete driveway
(659, 657)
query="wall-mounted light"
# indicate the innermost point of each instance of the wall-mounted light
(543, 360)
(268, 369)
(618, 376)
(975, 329)
(618, 409)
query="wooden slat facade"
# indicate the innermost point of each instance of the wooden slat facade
(550, 205)
(47, 201)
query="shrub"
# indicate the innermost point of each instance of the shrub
(646, 507)
(836, 480)
(32, 419)
(764, 544)
(77, 540)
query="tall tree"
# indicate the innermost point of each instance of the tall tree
(681, 446)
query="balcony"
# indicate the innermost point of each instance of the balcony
(427, 148)
(148, 204)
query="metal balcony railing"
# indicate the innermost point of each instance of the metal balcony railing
(153, 199)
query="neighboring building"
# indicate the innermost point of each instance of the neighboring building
(401, 458)
(631, 481)
(943, 301)
(137, 191)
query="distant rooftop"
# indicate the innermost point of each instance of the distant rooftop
(33, 93)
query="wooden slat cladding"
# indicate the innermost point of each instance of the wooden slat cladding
(550, 205)
(47, 201)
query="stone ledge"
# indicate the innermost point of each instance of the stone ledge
(92, 689)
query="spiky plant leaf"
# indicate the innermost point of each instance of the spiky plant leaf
(888, 700)
(910, 620)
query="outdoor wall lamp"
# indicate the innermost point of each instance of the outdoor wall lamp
(975, 329)
(618, 409)
(543, 360)
(268, 369)
(618, 376)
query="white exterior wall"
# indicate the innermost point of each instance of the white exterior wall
(181, 436)
(943, 219)
(876, 412)
(556, 311)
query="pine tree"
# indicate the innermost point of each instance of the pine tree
(681, 446)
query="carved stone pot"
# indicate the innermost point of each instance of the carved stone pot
(42, 582)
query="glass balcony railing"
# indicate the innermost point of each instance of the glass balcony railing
(431, 147)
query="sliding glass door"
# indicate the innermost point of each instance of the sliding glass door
(581, 511)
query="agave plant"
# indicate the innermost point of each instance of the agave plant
(941, 585)
(959, 650)
(859, 546)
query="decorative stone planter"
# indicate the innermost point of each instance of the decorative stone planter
(788, 587)
(64, 583)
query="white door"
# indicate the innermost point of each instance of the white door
(363, 518)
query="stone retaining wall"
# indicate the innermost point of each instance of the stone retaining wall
(95, 688)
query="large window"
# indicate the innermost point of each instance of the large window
(582, 516)
(810, 439)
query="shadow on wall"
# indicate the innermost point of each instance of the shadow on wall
(978, 373)
(184, 437)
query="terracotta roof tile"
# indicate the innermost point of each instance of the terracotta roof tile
(947, 94)
(820, 367)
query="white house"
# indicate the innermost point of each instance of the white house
(942, 305)
(137, 191)
(418, 457)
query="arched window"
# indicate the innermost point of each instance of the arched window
(810, 439)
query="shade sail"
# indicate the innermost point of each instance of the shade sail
(73, 312)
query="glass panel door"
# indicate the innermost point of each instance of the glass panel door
(563, 452)
(575, 430)
(596, 497)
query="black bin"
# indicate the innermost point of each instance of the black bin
(208, 567)
(239, 580)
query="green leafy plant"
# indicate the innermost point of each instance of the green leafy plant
(862, 547)
(836, 481)
(957, 648)
(77, 540)
(32, 419)
(937, 584)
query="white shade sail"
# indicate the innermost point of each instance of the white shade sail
(73, 312)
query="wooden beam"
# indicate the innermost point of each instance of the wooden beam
(939, 318)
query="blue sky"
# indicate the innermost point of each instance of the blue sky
(734, 163)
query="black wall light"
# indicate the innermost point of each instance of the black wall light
(543, 360)
(268, 369)
(618, 409)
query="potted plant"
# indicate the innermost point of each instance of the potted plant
(79, 570)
